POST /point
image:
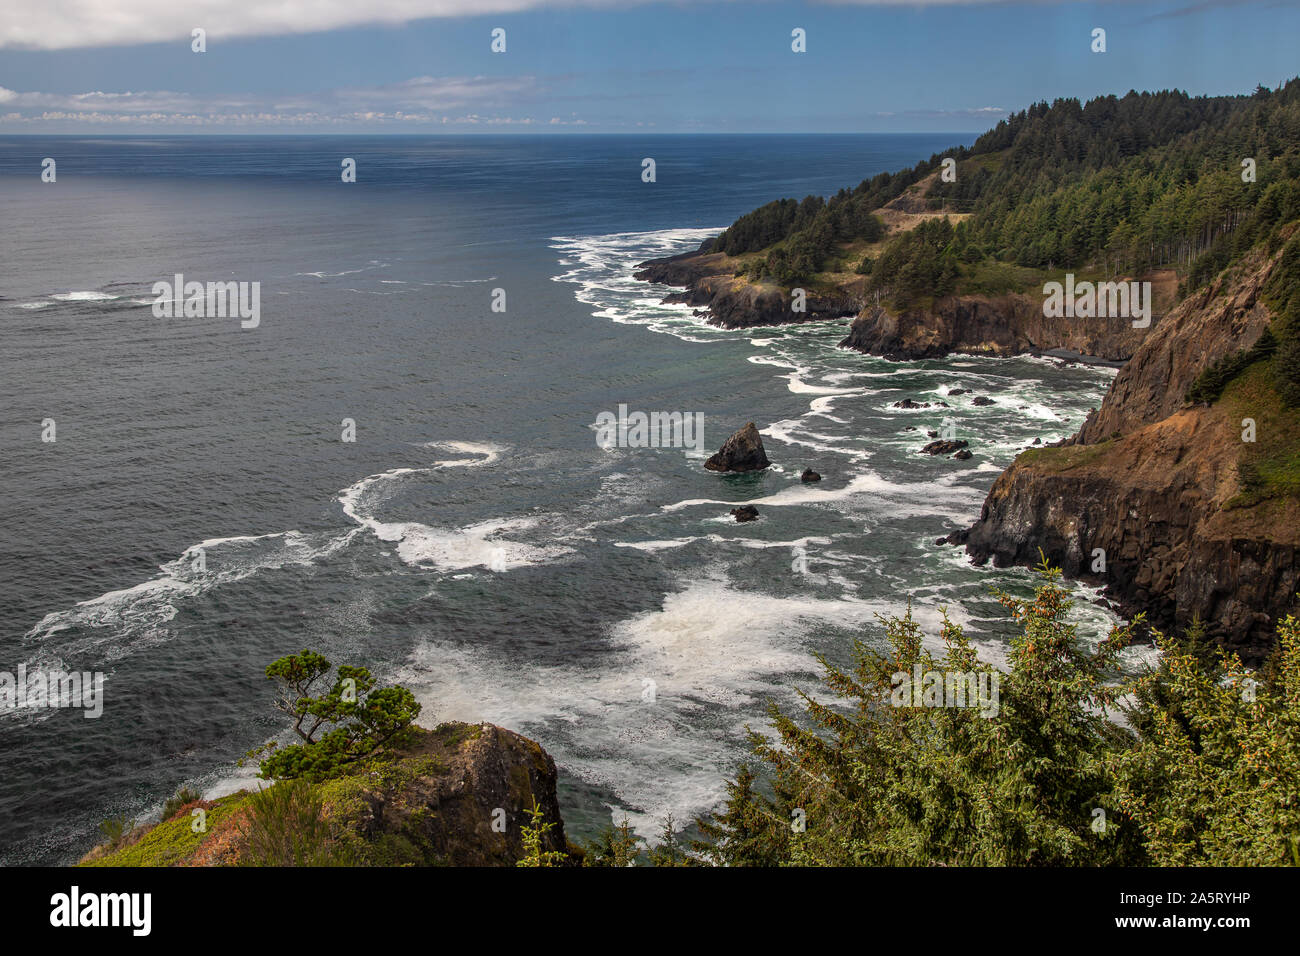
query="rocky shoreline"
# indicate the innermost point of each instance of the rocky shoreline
(1144, 482)
(732, 302)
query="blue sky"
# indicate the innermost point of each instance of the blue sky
(119, 66)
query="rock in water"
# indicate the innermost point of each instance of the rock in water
(745, 513)
(981, 401)
(743, 451)
(943, 447)
(810, 475)
(962, 455)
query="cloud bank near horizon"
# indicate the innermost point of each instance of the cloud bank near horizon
(420, 103)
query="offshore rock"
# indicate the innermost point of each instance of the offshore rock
(743, 451)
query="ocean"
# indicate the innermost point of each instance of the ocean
(199, 513)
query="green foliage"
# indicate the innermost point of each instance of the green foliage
(170, 842)
(1214, 777)
(1207, 770)
(182, 797)
(116, 829)
(750, 829)
(1124, 184)
(286, 826)
(1287, 370)
(534, 836)
(363, 719)
(900, 785)
(615, 846)
(1209, 385)
(918, 263)
(670, 851)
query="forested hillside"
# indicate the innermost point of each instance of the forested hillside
(1115, 186)
(1119, 183)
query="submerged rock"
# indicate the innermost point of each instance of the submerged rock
(745, 513)
(743, 451)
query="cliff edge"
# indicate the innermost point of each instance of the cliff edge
(1159, 500)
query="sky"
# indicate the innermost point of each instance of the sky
(609, 66)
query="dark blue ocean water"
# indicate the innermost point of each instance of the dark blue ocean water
(474, 542)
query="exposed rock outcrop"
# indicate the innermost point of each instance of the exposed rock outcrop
(745, 513)
(736, 302)
(743, 451)
(457, 795)
(987, 325)
(809, 475)
(1225, 316)
(1152, 486)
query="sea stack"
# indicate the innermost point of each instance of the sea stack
(743, 451)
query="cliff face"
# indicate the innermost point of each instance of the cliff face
(985, 325)
(999, 325)
(737, 303)
(1225, 316)
(1155, 486)
(1148, 483)
(468, 806)
(457, 795)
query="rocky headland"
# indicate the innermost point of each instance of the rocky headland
(1147, 499)
(456, 795)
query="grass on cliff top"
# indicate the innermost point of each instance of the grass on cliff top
(1057, 460)
(423, 752)
(174, 840)
(1270, 466)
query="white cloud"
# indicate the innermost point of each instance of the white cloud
(455, 100)
(67, 24)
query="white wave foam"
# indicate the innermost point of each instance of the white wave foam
(710, 652)
(83, 297)
(139, 611)
(484, 544)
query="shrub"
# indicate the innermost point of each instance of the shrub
(183, 797)
(116, 829)
(286, 827)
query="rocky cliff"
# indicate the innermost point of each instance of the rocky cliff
(1009, 324)
(1148, 499)
(987, 325)
(734, 302)
(457, 795)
